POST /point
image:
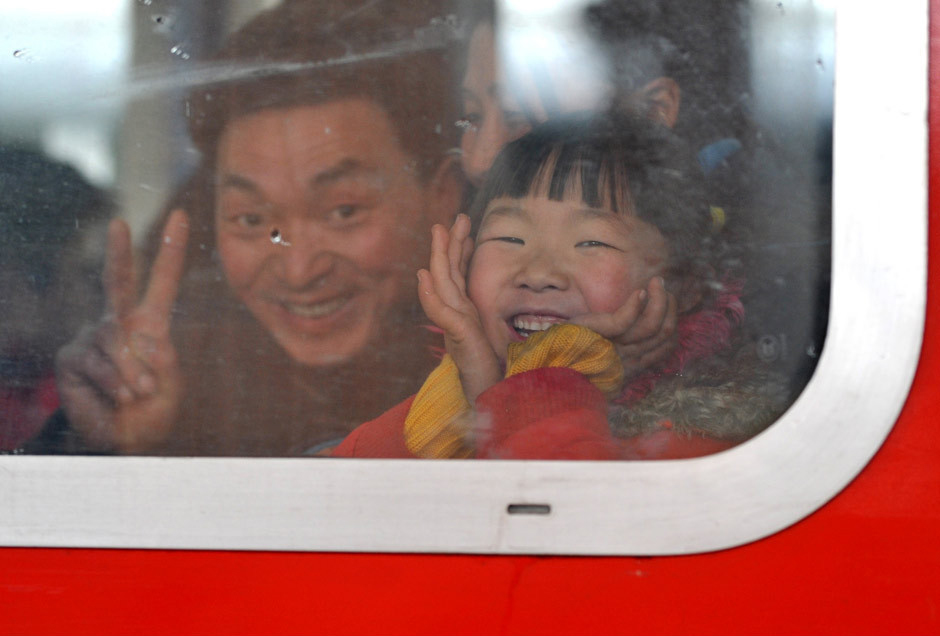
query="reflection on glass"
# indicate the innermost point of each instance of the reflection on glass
(650, 270)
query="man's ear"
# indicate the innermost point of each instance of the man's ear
(445, 191)
(660, 100)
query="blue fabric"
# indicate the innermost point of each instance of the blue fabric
(711, 156)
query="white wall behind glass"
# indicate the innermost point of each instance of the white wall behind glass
(60, 62)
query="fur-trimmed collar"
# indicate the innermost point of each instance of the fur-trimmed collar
(730, 396)
(712, 385)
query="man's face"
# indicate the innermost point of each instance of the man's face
(321, 224)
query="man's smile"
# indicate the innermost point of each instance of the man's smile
(316, 309)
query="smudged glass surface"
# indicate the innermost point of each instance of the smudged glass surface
(101, 101)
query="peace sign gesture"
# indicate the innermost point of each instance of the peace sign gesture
(119, 380)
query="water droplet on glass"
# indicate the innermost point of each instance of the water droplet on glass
(278, 239)
(768, 348)
(19, 52)
(179, 51)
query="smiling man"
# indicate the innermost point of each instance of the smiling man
(295, 316)
(333, 185)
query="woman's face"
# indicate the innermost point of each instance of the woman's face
(508, 89)
(490, 119)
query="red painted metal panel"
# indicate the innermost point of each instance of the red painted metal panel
(868, 562)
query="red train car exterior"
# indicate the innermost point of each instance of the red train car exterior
(868, 562)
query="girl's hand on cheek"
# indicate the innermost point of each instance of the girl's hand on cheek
(443, 295)
(643, 329)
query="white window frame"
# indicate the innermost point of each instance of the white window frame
(642, 508)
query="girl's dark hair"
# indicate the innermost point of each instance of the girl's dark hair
(625, 162)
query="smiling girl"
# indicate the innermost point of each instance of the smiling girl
(580, 224)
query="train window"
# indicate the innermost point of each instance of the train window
(682, 243)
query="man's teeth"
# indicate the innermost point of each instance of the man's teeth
(316, 310)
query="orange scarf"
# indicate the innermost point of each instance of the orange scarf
(440, 422)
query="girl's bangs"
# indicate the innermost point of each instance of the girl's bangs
(558, 172)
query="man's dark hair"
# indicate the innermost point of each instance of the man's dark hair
(395, 54)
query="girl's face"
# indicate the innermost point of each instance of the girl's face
(540, 262)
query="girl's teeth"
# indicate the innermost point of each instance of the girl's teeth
(532, 325)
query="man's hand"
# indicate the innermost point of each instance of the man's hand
(119, 380)
(643, 329)
(443, 295)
